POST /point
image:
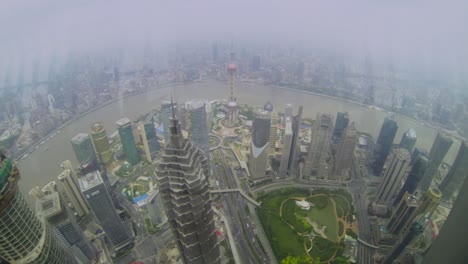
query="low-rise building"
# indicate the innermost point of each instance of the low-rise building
(304, 205)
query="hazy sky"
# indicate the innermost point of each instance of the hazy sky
(429, 32)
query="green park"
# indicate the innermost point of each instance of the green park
(310, 234)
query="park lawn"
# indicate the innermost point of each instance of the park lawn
(293, 215)
(284, 241)
(341, 203)
(323, 248)
(325, 216)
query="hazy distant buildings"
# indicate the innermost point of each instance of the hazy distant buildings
(127, 139)
(397, 169)
(65, 227)
(214, 52)
(70, 189)
(256, 62)
(260, 143)
(344, 154)
(84, 152)
(286, 152)
(198, 122)
(316, 162)
(101, 143)
(439, 149)
(341, 124)
(182, 174)
(24, 237)
(384, 144)
(456, 175)
(100, 202)
(408, 140)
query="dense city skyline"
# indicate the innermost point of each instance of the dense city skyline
(233, 132)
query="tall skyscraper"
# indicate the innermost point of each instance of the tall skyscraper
(100, 202)
(184, 189)
(384, 144)
(198, 125)
(316, 162)
(450, 245)
(439, 149)
(288, 112)
(128, 141)
(84, 152)
(273, 127)
(286, 152)
(418, 152)
(260, 143)
(65, 227)
(101, 143)
(408, 140)
(398, 165)
(341, 124)
(345, 153)
(136, 134)
(410, 209)
(296, 127)
(69, 187)
(273, 131)
(405, 240)
(149, 138)
(403, 213)
(166, 119)
(414, 177)
(456, 175)
(24, 238)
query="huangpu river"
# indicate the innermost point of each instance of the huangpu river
(43, 165)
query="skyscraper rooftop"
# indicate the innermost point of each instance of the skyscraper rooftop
(90, 180)
(123, 121)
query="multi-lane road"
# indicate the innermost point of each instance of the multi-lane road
(235, 206)
(358, 188)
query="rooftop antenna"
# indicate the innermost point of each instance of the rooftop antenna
(172, 108)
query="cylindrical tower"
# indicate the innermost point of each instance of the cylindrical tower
(124, 126)
(101, 143)
(24, 238)
(429, 202)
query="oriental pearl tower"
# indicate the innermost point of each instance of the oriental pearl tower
(232, 100)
